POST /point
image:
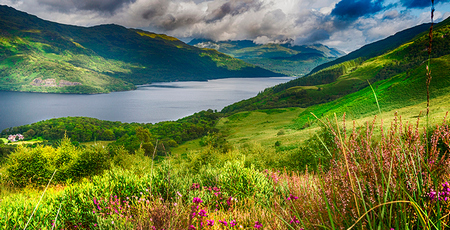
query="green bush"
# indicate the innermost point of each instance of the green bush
(35, 166)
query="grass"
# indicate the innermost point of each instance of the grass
(101, 143)
(30, 142)
(232, 192)
(385, 172)
(4, 140)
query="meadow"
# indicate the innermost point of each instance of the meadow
(377, 158)
(377, 177)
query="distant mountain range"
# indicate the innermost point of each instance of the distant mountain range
(283, 58)
(42, 56)
(395, 67)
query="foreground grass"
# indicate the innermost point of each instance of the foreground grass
(398, 180)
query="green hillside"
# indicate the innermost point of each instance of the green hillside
(377, 48)
(278, 168)
(42, 56)
(398, 71)
(284, 58)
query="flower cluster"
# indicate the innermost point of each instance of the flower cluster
(111, 206)
(198, 214)
(195, 186)
(442, 195)
(272, 175)
(258, 225)
(292, 197)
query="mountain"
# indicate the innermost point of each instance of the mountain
(379, 47)
(43, 56)
(282, 58)
(397, 74)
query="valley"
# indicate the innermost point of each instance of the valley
(360, 142)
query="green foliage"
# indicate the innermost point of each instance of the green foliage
(35, 166)
(315, 152)
(5, 151)
(130, 135)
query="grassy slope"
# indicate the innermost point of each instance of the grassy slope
(348, 77)
(262, 127)
(377, 48)
(404, 94)
(102, 58)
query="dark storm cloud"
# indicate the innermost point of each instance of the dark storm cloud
(171, 22)
(233, 8)
(315, 36)
(101, 6)
(156, 9)
(420, 3)
(351, 9)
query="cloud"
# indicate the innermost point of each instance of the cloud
(101, 6)
(351, 9)
(392, 14)
(420, 3)
(155, 9)
(343, 24)
(233, 8)
(315, 37)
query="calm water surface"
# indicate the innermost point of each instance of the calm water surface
(148, 104)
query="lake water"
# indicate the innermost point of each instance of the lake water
(148, 104)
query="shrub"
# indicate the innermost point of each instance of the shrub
(35, 166)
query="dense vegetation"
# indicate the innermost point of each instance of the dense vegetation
(392, 181)
(288, 59)
(131, 136)
(42, 56)
(328, 84)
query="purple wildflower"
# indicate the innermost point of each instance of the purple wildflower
(258, 225)
(197, 200)
(202, 213)
(432, 194)
(223, 222)
(229, 201)
(210, 222)
(294, 220)
(195, 186)
(192, 227)
(292, 197)
(233, 223)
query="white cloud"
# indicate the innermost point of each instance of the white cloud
(305, 21)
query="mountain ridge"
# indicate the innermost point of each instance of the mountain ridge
(101, 58)
(352, 77)
(284, 58)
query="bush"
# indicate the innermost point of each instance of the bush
(35, 166)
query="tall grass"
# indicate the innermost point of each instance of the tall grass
(394, 178)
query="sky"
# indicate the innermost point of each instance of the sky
(343, 24)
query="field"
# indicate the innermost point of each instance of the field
(360, 155)
(201, 184)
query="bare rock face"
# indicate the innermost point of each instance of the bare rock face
(51, 82)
